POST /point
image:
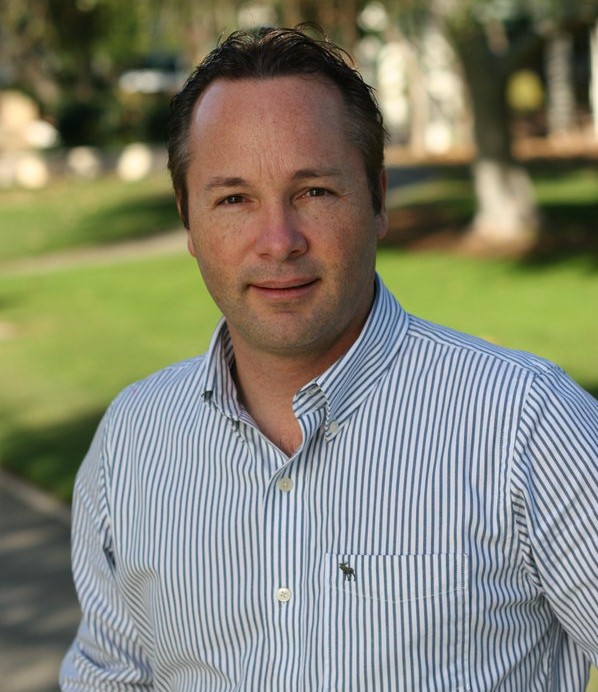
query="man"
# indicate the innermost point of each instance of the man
(338, 495)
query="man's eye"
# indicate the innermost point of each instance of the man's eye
(232, 199)
(316, 192)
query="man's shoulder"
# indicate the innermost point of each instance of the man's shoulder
(168, 387)
(456, 342)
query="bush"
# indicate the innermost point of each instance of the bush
(111, 121)
(87, 122)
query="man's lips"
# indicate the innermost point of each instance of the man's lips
(280, 284)
(284, 288)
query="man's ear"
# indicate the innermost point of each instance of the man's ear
(191, 244)
(182, 209)
(382, 220)
(181, 205)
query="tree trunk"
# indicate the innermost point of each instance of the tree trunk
(419, 113)
(346, 13)
(506, 219)
(559, 82)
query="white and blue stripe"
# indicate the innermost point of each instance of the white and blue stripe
(458, 480)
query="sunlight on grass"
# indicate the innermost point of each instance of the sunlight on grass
(85, 332)
(548, 311)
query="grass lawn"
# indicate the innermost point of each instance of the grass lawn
(80, 213)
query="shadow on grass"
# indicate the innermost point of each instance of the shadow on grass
(592, 389)
(429, 221)
(50, 456)
(569, 230)
(569, 218)
(557, 167)
(135, 218)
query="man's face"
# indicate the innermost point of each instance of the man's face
(281, 220)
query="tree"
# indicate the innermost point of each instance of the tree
(491, 39)
(69, 54)
(559, 83)
(23, 28)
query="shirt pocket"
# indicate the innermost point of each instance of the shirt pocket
(396, 622)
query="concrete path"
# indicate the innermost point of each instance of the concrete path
(39, 612)
(169, 242)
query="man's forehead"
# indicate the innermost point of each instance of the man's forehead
(224, 93)
(284, 125)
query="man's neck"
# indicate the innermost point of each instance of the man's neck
(267, 381)
(266, 385)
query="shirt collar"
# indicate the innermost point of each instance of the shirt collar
(218, 385)
(342, 386)
(350, 378)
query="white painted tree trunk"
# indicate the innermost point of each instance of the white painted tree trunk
(506, 220)
(507, 217)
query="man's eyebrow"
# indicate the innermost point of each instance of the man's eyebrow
(304, 173)
(301, 174)
(217, 182)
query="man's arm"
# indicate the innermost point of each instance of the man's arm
(106, 653)
(555, 496)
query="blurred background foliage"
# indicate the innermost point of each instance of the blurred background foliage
(466, 74)
(71, 54)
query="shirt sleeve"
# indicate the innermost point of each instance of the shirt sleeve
(107, 653)
(555, 499)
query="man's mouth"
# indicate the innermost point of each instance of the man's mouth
(285, 288)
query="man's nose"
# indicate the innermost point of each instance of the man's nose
(279, 235)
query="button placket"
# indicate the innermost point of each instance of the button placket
(279, 518)
(283, 487)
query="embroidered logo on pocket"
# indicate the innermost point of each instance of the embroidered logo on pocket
(348, 571)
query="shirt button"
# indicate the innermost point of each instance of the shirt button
(285, 484)
(283, 595)
(333, 427)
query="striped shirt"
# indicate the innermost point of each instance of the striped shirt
(436, 529)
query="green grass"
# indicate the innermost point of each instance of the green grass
(74, 338)
(79, 213)
(546, 309)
